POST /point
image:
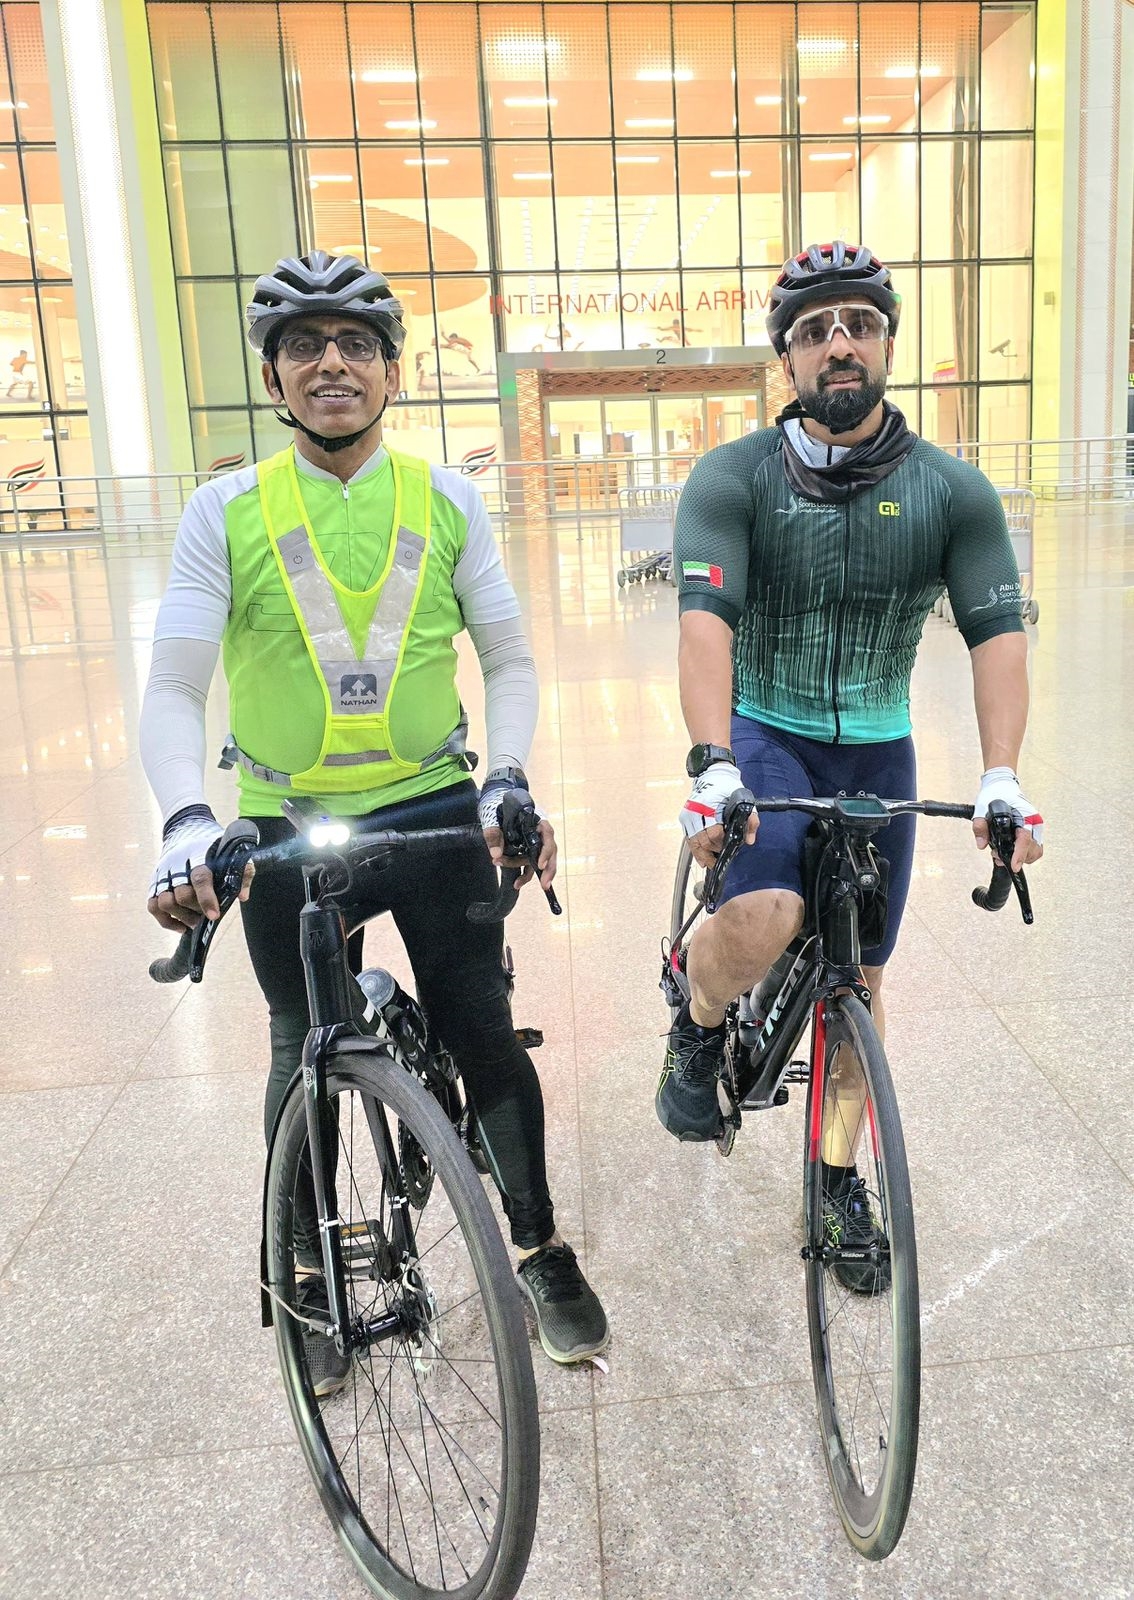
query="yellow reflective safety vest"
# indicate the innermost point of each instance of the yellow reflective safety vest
(335, 689)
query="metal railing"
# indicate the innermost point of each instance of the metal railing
(525, 494)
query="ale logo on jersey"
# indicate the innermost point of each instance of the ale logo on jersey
(703, 572)
(358, 689)
(890, 508)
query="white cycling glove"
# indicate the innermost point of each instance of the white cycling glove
(711, 793)
(186, 848)
(1001, 783)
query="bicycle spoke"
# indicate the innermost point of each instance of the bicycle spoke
(424, 1405)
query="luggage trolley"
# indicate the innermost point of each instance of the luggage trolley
(1020, 512)
(646, 517)
(1020, 515)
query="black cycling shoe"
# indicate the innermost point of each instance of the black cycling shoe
(327, 1369)
(686, 1099)
(569, 1315)
(848, 1222)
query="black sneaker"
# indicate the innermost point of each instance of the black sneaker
(569, 1315)
(848, 1222)
(327, 1369)
(686, 1099)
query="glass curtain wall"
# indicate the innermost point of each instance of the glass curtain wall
(595, 177)
(44, 432)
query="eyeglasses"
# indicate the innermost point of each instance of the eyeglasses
(355, 347)
(861, 324)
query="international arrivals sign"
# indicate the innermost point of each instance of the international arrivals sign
(579, 305)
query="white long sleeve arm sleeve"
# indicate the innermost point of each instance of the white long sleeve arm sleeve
(511, 690)
(172, 729)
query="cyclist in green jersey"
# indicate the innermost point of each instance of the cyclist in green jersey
(336, 576)
(808, 557)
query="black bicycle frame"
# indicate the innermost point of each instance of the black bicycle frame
(828, 957)
(336, 1008)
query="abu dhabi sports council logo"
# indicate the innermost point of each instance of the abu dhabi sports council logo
(358, 689)
(1006, 594)
(805, 507)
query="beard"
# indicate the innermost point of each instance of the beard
(840, 410)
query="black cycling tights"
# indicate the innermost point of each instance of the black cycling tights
(457, 965)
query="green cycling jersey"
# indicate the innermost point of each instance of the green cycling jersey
(828, 602)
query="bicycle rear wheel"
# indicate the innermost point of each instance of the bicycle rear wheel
(862, 1290)
(427, 1461)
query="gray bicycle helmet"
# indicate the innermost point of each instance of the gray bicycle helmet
(826, 269)
(323, 283)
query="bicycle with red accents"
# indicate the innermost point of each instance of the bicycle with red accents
(859, 1249)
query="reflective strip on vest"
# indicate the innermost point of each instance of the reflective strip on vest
(357, 686)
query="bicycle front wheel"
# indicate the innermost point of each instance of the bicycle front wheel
(688, 896)
(862, 1291)
(427, 1459)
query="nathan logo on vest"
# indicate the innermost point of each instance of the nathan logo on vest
(358, 689)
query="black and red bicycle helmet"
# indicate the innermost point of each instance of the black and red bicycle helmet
(821, 271)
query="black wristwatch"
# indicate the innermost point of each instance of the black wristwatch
(505, 777)
(703, 756)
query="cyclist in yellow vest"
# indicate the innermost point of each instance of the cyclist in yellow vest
(336, 576)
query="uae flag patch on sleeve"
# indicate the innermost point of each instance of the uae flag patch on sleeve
(702, 572)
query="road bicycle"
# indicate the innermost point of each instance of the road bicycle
(427, 1460)
(859, 1249)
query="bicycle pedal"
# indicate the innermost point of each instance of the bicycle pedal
(365, 1247)
(529, 1038)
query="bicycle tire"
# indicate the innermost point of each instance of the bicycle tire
(384, 1086)
(873, 1513)
(688, 874)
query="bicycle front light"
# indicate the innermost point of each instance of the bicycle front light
(329, 833)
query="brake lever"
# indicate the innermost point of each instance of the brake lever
(519, 824)
(1002, 842)
(739, 807)
(226, 860)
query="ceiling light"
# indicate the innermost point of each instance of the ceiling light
(317, 178)
(649, 122)
(390, 75)
(870, 121)
(426, 161)
(659, 75)
(521, 50)
(909, 72)
(535, 101)
(768, 99)
(13, 105)
(532, 177)
(637, 161)
(410, 124)
(730, 172)
(831, 155)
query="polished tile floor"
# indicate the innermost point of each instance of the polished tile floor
(145, 1448)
